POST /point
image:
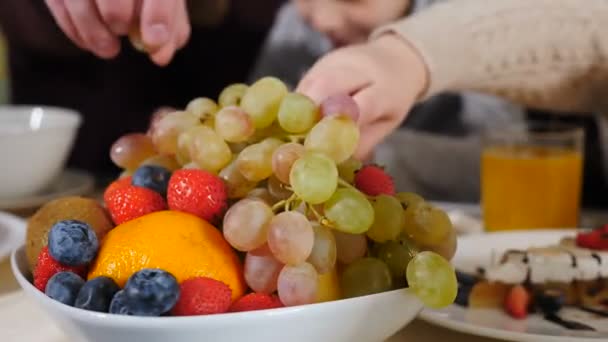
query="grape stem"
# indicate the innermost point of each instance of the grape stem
(322, 220)
(278, 205)
(285, 204)
(346, 184)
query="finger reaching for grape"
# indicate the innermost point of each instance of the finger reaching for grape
(385, 78)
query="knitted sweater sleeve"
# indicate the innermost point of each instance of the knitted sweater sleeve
(550, 54)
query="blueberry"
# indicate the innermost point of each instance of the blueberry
(119, 304)
(550, 301)
(462, 297)
(153, 177)
(73, 243)
(64, 287)
(465, 278)
(96, 294)
(151, 292)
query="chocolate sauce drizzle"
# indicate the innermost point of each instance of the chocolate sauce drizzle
(572, 325)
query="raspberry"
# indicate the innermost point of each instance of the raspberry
(373, 181)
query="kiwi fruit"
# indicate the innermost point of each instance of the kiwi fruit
(66, 208)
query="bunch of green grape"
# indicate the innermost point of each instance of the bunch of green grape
(289, 169)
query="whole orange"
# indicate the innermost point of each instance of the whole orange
(179, 243)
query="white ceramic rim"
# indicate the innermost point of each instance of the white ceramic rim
(16, 233)
(69, 118)
(105, 319)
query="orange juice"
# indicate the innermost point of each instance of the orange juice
(530, 187)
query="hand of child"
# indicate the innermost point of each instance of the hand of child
(96, 25)
(384, 76)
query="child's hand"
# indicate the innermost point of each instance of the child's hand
(384, 76)
(96, 25)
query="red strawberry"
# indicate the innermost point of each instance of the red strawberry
(131, 202)
(596, 239)
(202, 296)
(46, 267)
(197, 192)
(256, 301)
(517, 302)
(373, 181)
(115, 185)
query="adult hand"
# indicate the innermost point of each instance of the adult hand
(96, 25)
(385, 77)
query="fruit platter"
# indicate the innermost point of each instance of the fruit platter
(251, 206)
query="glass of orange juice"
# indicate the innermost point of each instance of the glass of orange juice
(531, 177)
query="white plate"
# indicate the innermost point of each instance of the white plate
(12, 233)
(478, 250)
(69, 183)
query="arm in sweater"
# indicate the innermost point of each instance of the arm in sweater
(550, 54)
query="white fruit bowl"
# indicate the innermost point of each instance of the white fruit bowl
(34, 145)
(369, 318)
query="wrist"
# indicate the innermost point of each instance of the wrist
(408, 58)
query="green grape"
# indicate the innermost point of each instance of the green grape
(409, 199)
(364, 277)
(324, 252)
(427, 225)
(191, 165)
(255, 161)
(396, 256)
(348, 168)
(278, 189)
(262, 194)
(262, 100)
(238, 186)
(232, 95)
(290, 237)
(130, 150)
(245, 225)
(447, 247)
(208, 150)
(335, 136)
(350, 247)
(166, 131)
(233, 124)
(184, 145)
(283, 159)
(349, 211)
(298, 285)
(432, 279)
(237, 147)
(314, 178)
(203, 108)
(273, 130)
(167, 162)
(389, 219)
(297, 113)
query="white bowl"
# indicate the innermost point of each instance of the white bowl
(369, 318)
(34, 146)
